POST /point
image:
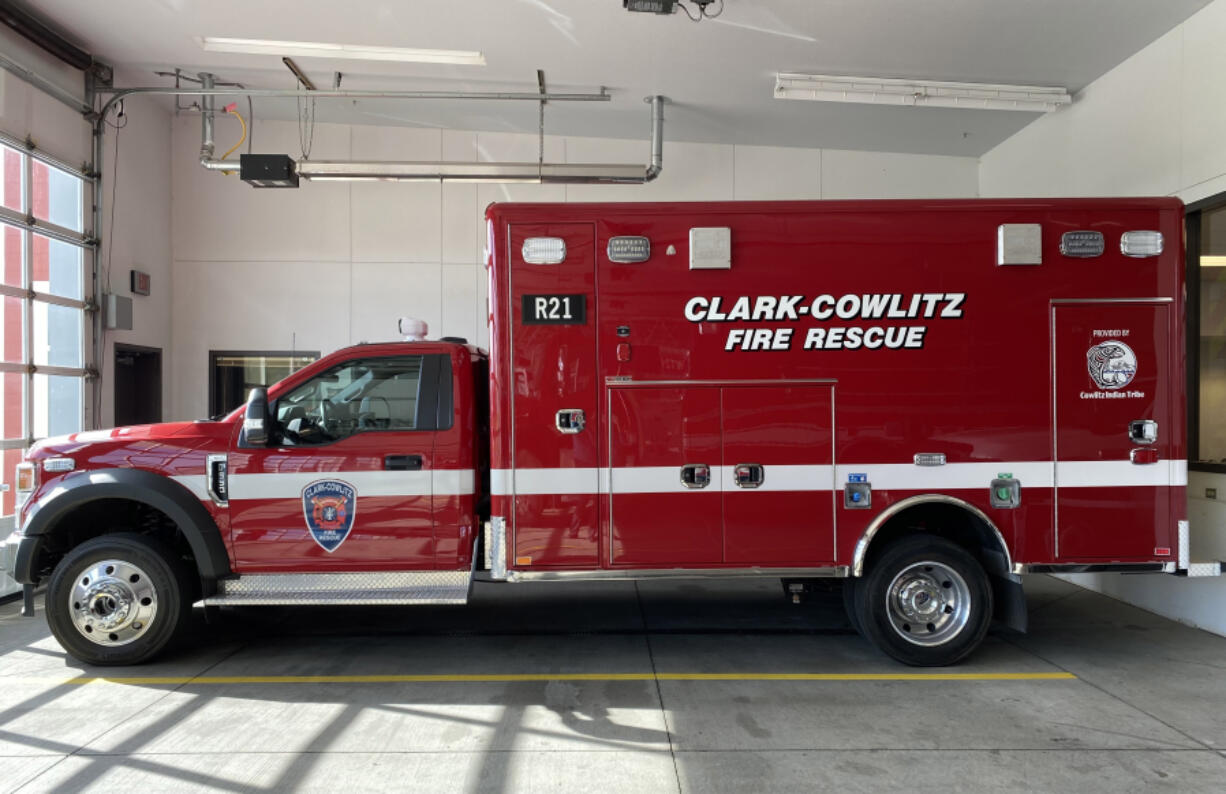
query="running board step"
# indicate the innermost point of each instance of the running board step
(344, 589)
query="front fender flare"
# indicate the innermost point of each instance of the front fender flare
(155, 490)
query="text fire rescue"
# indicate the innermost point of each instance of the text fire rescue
(872, 306)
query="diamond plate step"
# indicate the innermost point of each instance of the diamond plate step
(343, 589)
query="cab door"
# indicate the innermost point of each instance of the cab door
(1113, 431)
(345, 484)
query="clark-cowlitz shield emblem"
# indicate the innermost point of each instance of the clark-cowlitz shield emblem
(330, 507)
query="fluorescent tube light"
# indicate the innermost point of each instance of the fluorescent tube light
(1213, 261)
(919, 93)
(360, 52)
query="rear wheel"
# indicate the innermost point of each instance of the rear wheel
(926, 602)
(117, 599)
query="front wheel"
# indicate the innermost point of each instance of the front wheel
(926, 602)
(117, 599)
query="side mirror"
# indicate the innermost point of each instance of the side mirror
(256, 420)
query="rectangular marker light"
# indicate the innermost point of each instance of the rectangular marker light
(1141, 244)
(544, 250)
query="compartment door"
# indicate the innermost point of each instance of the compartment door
(779, 475)
(554, 403)
(664, 483)
(1113, 430)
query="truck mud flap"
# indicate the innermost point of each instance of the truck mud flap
(1010, 602)
(343, 589)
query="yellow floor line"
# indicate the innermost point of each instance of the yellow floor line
(517, 677)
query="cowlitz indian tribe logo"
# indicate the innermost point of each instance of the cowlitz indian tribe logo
(1112, 365)
(329, 507)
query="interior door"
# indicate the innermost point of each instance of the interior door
(1112, 429)
(555, 411)
(778, 469)
(346, 484)
(664, 482)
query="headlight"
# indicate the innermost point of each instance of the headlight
(27, 481)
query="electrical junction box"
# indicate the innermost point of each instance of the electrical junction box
(650, 6)
(268, 170)
(117, 312)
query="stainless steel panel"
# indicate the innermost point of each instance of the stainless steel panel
(394, 587)
(604, 575)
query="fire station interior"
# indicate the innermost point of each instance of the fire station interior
(200, 200)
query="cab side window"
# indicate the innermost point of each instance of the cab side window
(363, 395)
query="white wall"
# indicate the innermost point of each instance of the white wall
(1154, 125)
(139, 236)
(332, 264)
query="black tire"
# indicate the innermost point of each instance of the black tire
(130, 591)
(941, 607)
(851, 589)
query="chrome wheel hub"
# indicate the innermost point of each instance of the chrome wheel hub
(113, 602)
(928, 603)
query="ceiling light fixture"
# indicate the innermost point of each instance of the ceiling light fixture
(1212, 261)
(360, 52)
(919, 93)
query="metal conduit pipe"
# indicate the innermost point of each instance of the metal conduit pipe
(122, 93)
(657, 138)
(207, 109)
(529, 173)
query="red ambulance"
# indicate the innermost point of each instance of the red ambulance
(927, 399)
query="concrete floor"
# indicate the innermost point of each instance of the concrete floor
(1147, 705)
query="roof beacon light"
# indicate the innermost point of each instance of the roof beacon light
(1141, 244)
(412, 329)
(544, 250)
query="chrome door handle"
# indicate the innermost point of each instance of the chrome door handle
(748, 475)
(1143, 431)
(570, 420)
(695, 475)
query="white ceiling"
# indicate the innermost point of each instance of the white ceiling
(719, 73)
